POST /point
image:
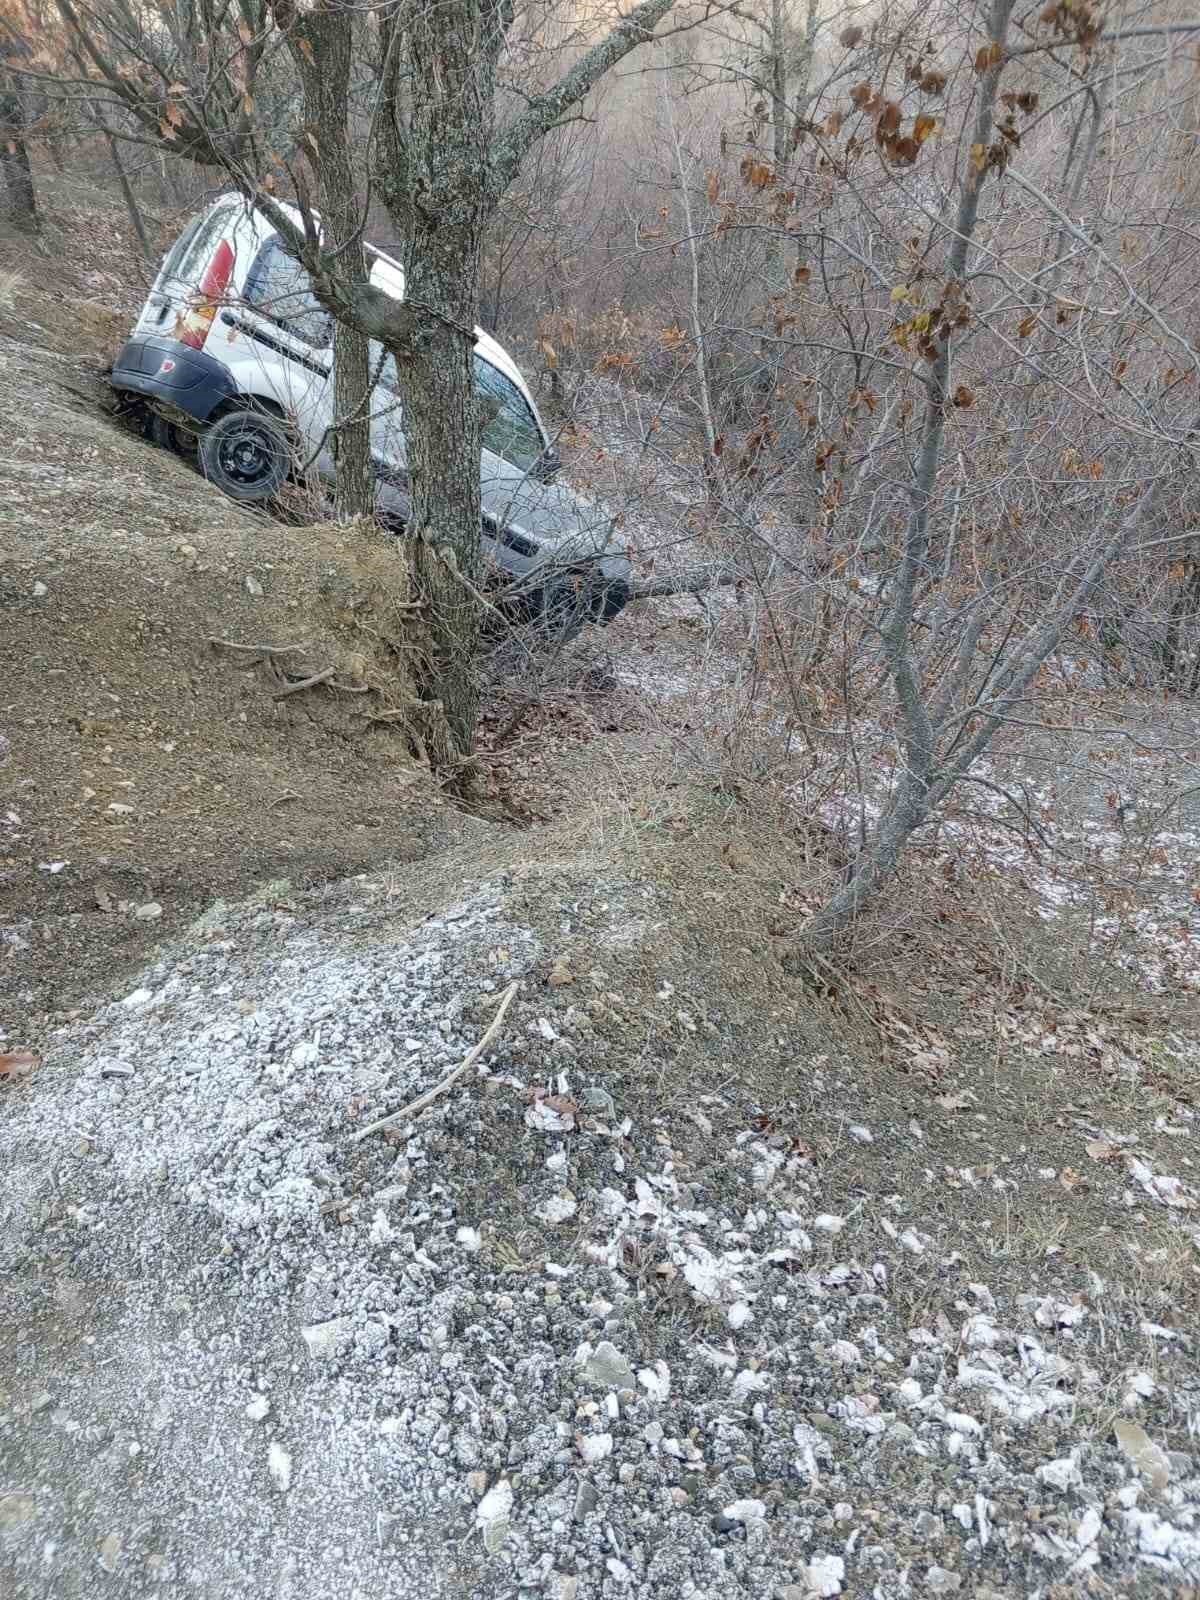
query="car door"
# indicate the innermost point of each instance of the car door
(277, 340)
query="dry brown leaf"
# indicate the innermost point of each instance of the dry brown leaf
(1149, 1458)
(17, 1063)
(955, 1102)
(1070, 1179)
(1103, 1150)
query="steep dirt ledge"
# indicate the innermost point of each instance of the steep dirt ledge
(144, 766)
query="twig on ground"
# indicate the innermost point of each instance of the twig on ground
(303, 683)
(472, 1056)
(258, 649)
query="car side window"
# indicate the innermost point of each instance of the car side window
(279, 287)
(510, 429)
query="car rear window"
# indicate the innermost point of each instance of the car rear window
(192, 253)
(279, 287)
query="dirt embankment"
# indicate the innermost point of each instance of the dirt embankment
(145, 766)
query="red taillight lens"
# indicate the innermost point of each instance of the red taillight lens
(192, 328)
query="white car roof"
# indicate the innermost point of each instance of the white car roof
(388, 274)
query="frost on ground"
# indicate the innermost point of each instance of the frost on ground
(593, 1325)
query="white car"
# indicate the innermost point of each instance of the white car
(233, 350)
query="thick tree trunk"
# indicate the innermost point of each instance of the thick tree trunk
(323, 51)
(14, 155)
(18, 177)
(433, 175)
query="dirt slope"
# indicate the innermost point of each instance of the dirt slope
(146, 766)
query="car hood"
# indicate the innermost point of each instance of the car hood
(563, 524)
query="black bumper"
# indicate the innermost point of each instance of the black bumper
(163, 369)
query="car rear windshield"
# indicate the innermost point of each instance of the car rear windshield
(193, 249)
(279, 287)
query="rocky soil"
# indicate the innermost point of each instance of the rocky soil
(673, 1293)
(707, 1278)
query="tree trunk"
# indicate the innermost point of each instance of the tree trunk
(323, 50)
(433, 176)
(127, 194)
(18, 176)
(14, 157)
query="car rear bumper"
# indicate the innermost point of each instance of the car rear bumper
(162, 369)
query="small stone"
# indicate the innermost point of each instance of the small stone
(825, 1574)
(746, 1511)
(39, 590)
(619, 1570)
(564, 1586)
(41, 1401)
(120, 809)
(942, 1581)
(492, 1515)
(16, 1510)
(828, 1223)
(110, 1552)
(560, 973)
(116, 1069)
(586, 1501)
(150, 912)
(138, 999)
(258, 1408)
(279, 1465)
(791, 1591)
(594, 1447)
(477, 1484)
(322, 1338)
(187, 551)
(253, 588)
(860, 1133)
(739, 1315)
(560, 1207)
(1060, 1474)
(469, 1238)
(81, 1147)
(606, 1365)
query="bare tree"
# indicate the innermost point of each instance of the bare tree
(17, 114)
(440, 166)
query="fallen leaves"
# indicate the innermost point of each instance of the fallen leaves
(1103, 1150)
(1149, 1458)
(961, 1101)
(17, 1063)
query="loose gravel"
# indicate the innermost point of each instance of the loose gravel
(572, 1333)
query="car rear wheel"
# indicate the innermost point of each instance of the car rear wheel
(169, 436)
(247, 453)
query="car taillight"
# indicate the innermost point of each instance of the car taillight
(192, 327)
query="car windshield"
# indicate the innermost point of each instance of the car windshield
(510, 429)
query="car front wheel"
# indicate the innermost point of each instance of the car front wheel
(247, 454)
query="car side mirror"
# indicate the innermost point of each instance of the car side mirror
(548, 465)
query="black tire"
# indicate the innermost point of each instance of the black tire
(247, 453)
(560, 611)
(168, 436)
